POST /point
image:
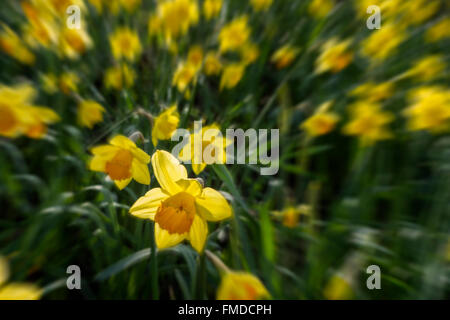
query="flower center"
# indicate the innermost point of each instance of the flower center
(119, 167)
(7, 119)
(177, 213)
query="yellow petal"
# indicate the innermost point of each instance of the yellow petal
(140, 155)
(198, 233)
(191, 186)
(145, 207)
(104, 150)
(4, 270)
(168, 171)
(197, 168)
(121, 184)
(20, 291)
(165, 240)
(140, 172)
(212, 206)
(122, 142)
(97, 164)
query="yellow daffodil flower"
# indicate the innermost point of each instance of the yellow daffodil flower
(320, 8)
(234, 35)
(241, 286)
(383, 42)
(428, 68)
(249, 53)
(335, 56)
(68, 82)
(320, 123)
(211, 8)
(439, 31)
(184, 75)
(369, 122)
(430, 109)
(290, 216)
(181, 207)
(338, 288)
(122, 160)
(90, 113)
(232, 75)
(11, 44)
(125, 44)
(284, 56)
(261, 5)
(74, 42)
(49, 82)
(16, 290)
(119, 77)
(165, 125)
(195, 57)
(176, 17)
(374, 92)
(212, 66)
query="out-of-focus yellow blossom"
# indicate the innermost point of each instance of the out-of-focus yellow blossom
(284, 56)
(185, 74)
(181, 207)
(176, 17)
(439, 31)
(321, 122)
(418, 11)
(114, 6)
(195, 57)
(125, 44)
(338, 288)
(383, 42)
(212, 66)
(165, 125)
(58, 7)
(122, 161)
(241, 286)
(211, 8)
(374, 92)
(213, 144)
(154, 25)
(130, 5)
(74, 42)
(41, 29)
(231, 75)
(19, 116)
(11, 44)
(428, 68)
(68, 82)
(320, 8)
(119, 77)
(16, 290)
(234, 35)
(369, 122)
(290, 216)
(430, 109)
(90, 113)
(261, 5)
(249, 53)
(49, 83)
(335, 56)
(98, 5)
(388, 8)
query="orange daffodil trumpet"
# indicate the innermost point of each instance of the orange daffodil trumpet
(122, 160)
(181, 207)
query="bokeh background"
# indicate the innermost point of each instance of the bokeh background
(363, 115)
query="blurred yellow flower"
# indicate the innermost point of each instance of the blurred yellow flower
(41, 29)
(335, 56)
(320, 8)
(49, 82)
(383, 42)
(130, 5)
(125, 44)
(97, 4)
(374, 92)
(11, 44)
(119, 77)
(291, 215)
(16, 290)
(73, 42)
(165, 125)
(176, 17)
(195, 56)
(428, 68)
(68, 82)
(261, 5)
(338, 288)
(211, 8)
(415, 12)
(241, 286)
(284, 56)
(320, 123)
(90, 113)
(185, 74)
(18, 116)
(181, 207)
(249, 53)
(439, 31)
(231, 75)
(430, 109)
(234, 35)
(213, 66)
(122, 160)
(368, 122)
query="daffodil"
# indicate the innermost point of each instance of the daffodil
(122, 160)
(212, 66)
(41, 29)
(438, 31)
(74, 42)
(284, 56)
(232, 75)
(195, 57)
(165, 125)
(428, 68)
(235, 34)
(241, 286)
(429, 109)
(211, 8)
(181, 207)
(338, 288)
(320, 123)
(261, 5)
(184, 75)
(90, 113)
(383, 42)
(49, 82)
(119, 77)
(176, 17)
(11, 44)
(335, 56)
(374, 92)
(16, 290)
(290, 216)
(249, 53)
(68, 82)
(125, 44)
(369, 122)
(320, 8)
